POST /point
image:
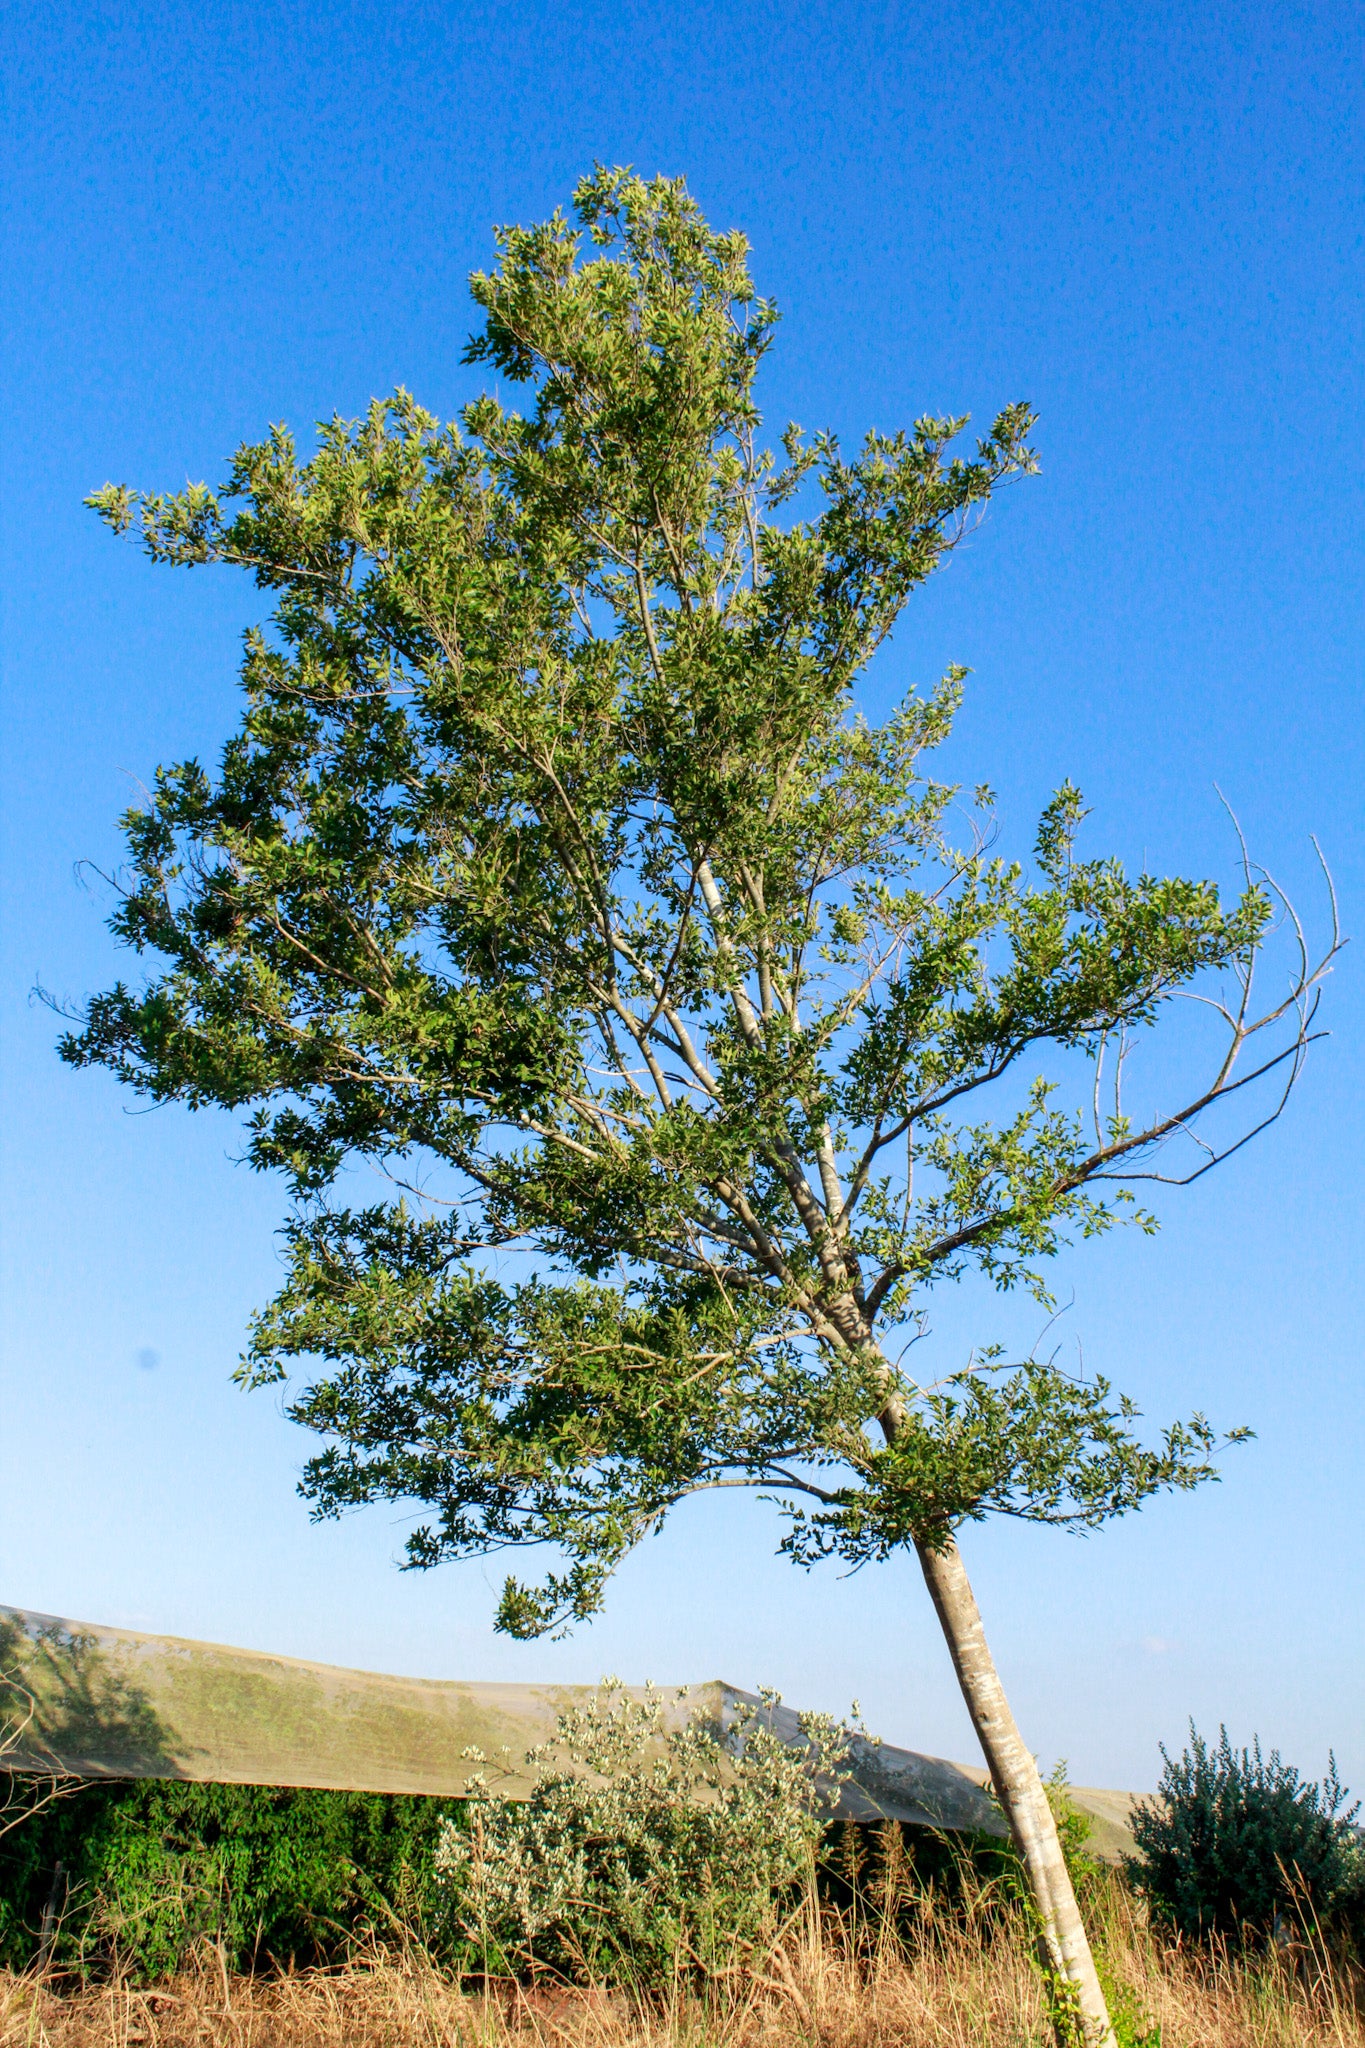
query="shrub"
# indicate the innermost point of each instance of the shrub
(1240, 1846)
(146, 1870)
(643, 1851)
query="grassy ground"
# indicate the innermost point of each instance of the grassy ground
(956, 1986)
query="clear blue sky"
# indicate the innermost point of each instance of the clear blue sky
(1147, 220)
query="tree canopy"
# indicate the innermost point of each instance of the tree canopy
(697, 1029)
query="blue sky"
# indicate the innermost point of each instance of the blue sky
(1148, 221)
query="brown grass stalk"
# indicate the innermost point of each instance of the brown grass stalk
(953, 1982)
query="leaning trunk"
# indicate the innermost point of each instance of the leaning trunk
(1021, 1793)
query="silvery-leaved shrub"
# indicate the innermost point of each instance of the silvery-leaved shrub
(645, 1849)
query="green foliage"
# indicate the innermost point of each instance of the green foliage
(1238, 1845)
(555, 870)
(645, 1850)
(150, 1869)
(1133, 2025)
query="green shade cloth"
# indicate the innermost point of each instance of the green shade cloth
(114, 1703)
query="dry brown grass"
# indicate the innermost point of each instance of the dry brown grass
(959, 1988)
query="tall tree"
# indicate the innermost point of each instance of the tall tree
(554, 872)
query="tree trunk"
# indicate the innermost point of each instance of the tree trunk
(1020, 1790)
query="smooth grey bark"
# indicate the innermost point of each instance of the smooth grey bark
(1018, 1787)
(1014, 1774)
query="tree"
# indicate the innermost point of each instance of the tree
(554, 873)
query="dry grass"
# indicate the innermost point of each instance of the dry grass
(958, 1988)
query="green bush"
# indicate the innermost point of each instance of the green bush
(644, 1850)
(150, 1869)
(1240, 1847)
